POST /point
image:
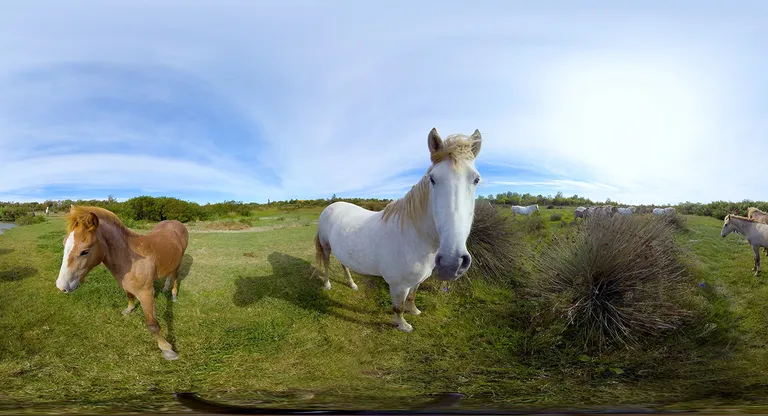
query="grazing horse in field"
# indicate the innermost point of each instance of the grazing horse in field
(756, 233)
(95, 235)
(516, 209)
(580, 212)
(426, 229)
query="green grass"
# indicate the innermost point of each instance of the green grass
(250, 321)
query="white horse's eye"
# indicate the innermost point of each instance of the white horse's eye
(432, 180)
(477, 180)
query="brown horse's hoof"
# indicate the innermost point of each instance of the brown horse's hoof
(170, 355)
(174, 298)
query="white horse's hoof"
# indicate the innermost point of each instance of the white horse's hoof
(353, 286)
(414, 311)
(327, 285)
(170, 355)
(175, 298)
(405, 327)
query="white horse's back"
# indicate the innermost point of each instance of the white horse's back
(349, 227)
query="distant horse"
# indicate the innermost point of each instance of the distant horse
(516, 209)
(756, 233)
(46, 211)
(663, 211)
(95, 235)
(579, 212)
(626, 211)
(426, 229)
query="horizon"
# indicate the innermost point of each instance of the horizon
(633, 102)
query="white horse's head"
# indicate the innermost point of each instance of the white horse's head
(728, 226)
(453, 181)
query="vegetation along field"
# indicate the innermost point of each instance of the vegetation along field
(252, 321)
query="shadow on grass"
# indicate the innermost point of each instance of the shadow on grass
(186, 264)
(17, 273)
(291, 281)
(5, 251)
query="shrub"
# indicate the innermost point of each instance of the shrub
(494, 246)
(29, 219)
(533, 223)
(676, 221)
(555, 217)
(615, 280)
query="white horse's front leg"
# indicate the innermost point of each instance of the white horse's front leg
(410, 301)
(399, 294)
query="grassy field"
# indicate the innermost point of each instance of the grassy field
(252, 322)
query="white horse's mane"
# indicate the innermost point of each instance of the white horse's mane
(413, 206)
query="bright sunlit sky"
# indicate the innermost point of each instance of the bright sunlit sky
(639, 102)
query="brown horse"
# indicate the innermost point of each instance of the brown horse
(95, 235)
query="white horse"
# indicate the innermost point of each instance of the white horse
(426, 229)
(626, 211)
(46, 211)
(756, 233)
(516, 209)
(662, 211)
(580, 212)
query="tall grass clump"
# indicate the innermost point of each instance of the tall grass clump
(495, 246)
(676, 221)
(533, 223)
(616, 280)
(555, 216)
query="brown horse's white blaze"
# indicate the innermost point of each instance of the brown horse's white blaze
(425, 230)
(95, 235)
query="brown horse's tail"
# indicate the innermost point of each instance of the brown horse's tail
(320, 257)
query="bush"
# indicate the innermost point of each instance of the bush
(29, 219)
(676, 221)
(615, 280)
(555, 217)
(533, 223)
(494, 246)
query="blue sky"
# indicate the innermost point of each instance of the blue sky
(637, 101)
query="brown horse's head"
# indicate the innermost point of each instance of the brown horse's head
(82, 248)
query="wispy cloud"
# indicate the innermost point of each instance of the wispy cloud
(639, 102)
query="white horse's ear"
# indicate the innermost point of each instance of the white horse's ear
(434, 141)
(477, 142)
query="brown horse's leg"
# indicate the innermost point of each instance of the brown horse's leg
(175, 290)
(351, 282)
(147, 299)
(131, 303)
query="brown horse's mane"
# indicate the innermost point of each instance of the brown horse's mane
(78, 214)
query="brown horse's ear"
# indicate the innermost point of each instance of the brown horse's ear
(434, 141)
(477, 141)
(91, 221)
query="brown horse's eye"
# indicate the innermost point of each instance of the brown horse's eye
(85, 252)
